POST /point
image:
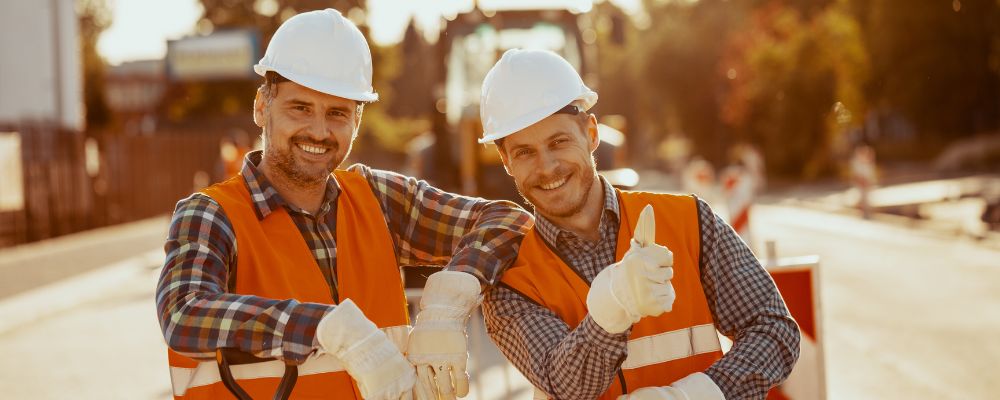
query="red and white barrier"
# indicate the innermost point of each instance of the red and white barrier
(797, 280)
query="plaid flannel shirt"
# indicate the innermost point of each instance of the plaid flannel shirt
(582, 363)
(198, 314)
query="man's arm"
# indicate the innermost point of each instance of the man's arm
(566, 364)
(196, 313)
(434, 227)
(746, 306)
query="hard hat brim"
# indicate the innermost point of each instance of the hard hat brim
(589, 98)
(320, 85)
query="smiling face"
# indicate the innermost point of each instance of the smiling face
(552, 164)
(307, 134)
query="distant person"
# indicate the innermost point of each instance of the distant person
(864, 176)
(294, 260)
(232, 149)
(618, 294)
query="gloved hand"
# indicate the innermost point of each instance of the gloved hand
(375, 363)
(696, 386)
(638, 285)
(438, 343)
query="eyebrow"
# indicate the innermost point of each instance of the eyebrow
(300, 102)
(548, 139)
(297, 102)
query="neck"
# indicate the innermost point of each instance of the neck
(586, 223)
(307, 197)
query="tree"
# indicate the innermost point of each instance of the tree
(936, 62)
(793, 82)
(94, 17)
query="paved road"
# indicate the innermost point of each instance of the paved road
(907, 314)
(95, 336)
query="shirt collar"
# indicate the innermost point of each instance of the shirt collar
(551, 233)
(266, 198)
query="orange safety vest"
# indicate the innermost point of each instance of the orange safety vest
(275, 262)
(661, 350)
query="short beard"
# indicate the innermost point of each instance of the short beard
(283, 162)
(575, 209)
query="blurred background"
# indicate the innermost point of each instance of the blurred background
(855, 140)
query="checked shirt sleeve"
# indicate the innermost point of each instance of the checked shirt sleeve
(198, 316)
(747, 308)
(434, 227)
(566, 364)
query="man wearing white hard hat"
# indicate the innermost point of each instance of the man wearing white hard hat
(618, 294)
(297, 262)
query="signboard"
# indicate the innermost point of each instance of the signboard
(227, 54)
(797, 280)
(11, 176)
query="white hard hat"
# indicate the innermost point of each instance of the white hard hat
(323, 51)
(525, 87)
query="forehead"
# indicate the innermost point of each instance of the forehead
(541, 131)
(289, 90)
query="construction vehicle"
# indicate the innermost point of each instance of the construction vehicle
(469, 45)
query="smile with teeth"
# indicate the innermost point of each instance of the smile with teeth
(554, 184)
(312, 149)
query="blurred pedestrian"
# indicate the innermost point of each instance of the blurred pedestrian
(618, 293)
(864, 176)
(295, 260)
(232, 148)
(698, 177)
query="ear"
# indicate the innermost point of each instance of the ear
(592, 136)
(357, 118)
(258, 109)
(503, 158)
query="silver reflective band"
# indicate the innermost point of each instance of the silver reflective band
(663, 347)
(207, 372)
(673, 345)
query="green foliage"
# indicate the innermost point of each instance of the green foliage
(790, 78)
(803, 79)
(937, 62)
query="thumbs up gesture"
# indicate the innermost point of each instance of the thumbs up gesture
(638, 285)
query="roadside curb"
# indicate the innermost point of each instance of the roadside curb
(40, 303)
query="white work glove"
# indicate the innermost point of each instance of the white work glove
(438, 343)
(638, 285)
(375, 363)
(696, 386)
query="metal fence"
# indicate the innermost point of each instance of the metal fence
(130, 178)
(56, 198)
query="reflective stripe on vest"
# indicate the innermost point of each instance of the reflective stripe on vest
(668, 346)
(673, 345)
(207, 372)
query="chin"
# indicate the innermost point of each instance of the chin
(562, 208)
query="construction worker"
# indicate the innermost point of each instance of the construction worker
(290, 262)
(585, 312)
